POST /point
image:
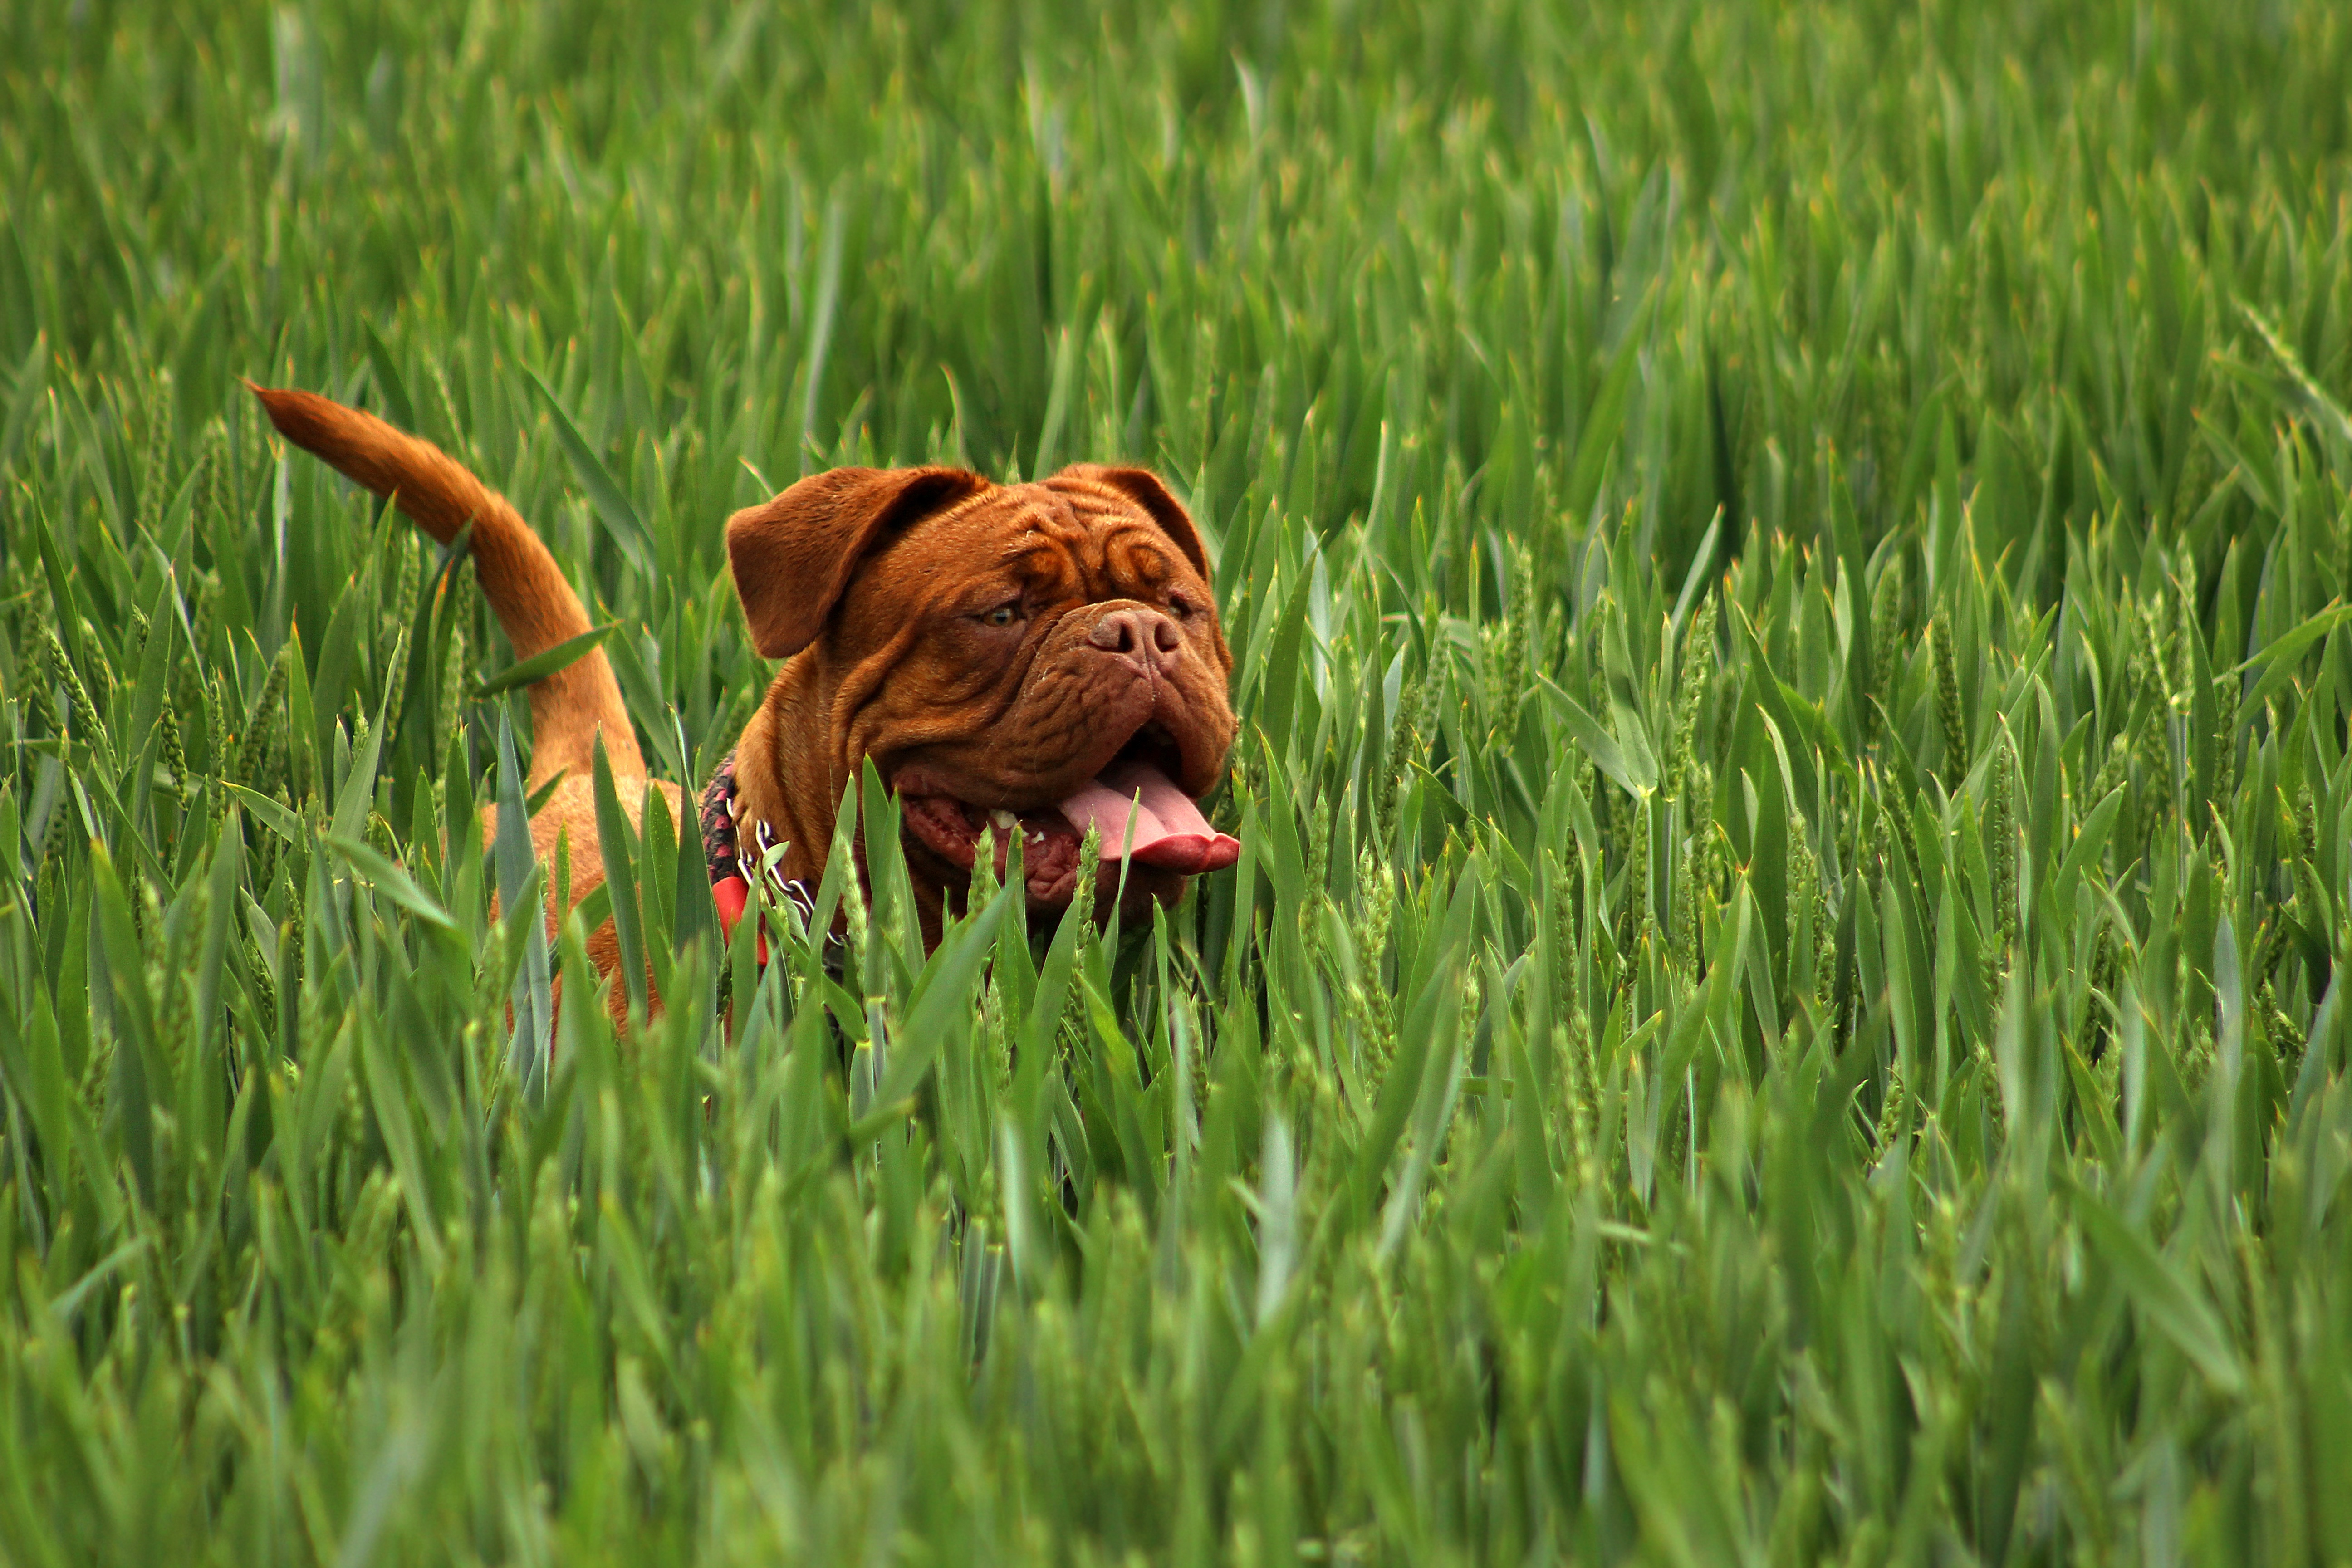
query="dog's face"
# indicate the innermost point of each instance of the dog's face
(1026, 660)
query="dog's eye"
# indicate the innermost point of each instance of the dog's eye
(1002, 616)
(1178, 605)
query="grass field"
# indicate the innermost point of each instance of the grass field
(1788, 569)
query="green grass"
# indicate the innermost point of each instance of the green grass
(1786, 565)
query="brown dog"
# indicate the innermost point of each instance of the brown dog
(1041, 658)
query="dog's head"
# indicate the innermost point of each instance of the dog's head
(1025, 659)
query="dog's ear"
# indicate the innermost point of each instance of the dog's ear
(1142, 487)
(793, 556)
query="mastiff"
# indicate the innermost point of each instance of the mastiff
(1033, 661)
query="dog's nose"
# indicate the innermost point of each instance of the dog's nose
(1144, 637)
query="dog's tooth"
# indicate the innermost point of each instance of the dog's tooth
(1003, 820)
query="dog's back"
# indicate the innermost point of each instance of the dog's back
(539, 610)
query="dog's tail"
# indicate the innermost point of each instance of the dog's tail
(519, 577)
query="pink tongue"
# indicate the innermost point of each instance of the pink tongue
(1169, 830)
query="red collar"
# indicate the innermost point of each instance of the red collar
(722, 809)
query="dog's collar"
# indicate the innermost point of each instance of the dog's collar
(730, 888)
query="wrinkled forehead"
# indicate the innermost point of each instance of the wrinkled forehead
(1070, 540)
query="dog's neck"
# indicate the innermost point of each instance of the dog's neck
(780, 772)
(787, 776)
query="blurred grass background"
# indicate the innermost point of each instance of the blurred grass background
(1786, 564)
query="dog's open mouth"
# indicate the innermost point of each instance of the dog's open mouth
(1133, 804)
